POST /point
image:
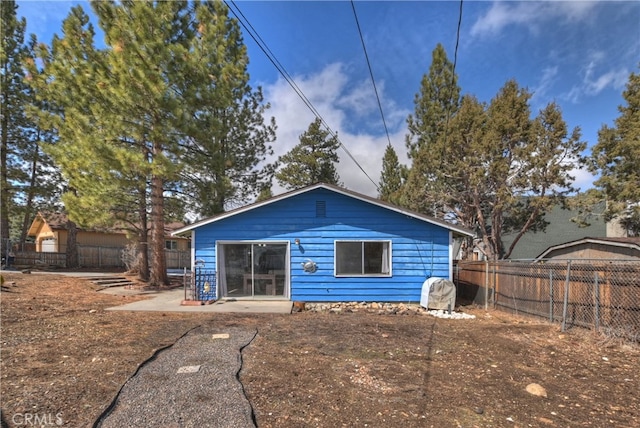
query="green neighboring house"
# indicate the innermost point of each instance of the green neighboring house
(559, 231)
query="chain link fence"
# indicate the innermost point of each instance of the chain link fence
(603, 295)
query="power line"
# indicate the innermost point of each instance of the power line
(453, 81)
(265, 49)
(455, 52)
(373, 81)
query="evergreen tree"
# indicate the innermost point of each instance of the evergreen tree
(65, 102)
(446, 194)
(265, 194)
(12, 115)
(504, 148)
(437, 102)
(545, 179)
(312, 160)
(229, 141)
(392, 177)
(40, 188)
(149, 119)
(499, 170)
(435, 105)
(29, 180)
(616, 158)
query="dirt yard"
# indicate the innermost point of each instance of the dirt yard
(64, 358)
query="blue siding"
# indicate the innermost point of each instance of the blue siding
(419, 249)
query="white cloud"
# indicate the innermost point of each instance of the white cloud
(597, 76)
(339, 101)
(583, 179)
(499, 16)
(544, 86)
(530, 14)
(333, 94)
(572, 10)
(614, 78)
(594, 84)
(360, 98)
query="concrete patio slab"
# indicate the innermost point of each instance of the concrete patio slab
(169, 301)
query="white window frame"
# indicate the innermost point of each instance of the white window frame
(362, 275)
(287, 268)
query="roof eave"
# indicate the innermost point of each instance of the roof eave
(460, 231)
(36, 225)
(588, 241)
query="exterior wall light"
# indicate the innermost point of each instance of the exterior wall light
(309, 266)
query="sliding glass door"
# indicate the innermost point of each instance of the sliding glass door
(252, 269)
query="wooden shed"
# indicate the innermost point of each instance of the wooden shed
(322, 243)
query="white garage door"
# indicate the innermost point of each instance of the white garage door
(49, 246)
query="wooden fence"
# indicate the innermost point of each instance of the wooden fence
(34, 259)
(603, 295)
(95, 257)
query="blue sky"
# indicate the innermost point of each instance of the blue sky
(578, 54)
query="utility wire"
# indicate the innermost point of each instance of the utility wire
(455, 52)
(373, 81)
(265, 49)
(453, 81)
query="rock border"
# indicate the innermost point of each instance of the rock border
(380, 308)
(368, 307)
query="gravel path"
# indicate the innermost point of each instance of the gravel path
(193, 383)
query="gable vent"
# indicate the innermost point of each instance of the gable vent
(321, 208)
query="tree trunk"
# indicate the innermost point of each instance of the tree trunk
(30, 193)
(72, 245)
(496, 234)
(522, 231)
(158, 261)
(5, 194)
(143, 240)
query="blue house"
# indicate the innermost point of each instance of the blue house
(322, 243)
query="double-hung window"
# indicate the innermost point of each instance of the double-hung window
(362, 258)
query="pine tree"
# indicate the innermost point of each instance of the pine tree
(265, 194)
(312, 160)
(149, 119)
(392, 177)
(102, 150)
(616, 158)
(435, 106)
(437, 102)
(41, 182)
(503, 153)
(229, 140)
(498, 170)
(447, 192)
(545, 179)
(12, 115)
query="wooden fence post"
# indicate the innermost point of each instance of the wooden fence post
(495, 285)
(550, 294)
(486, 285)
(566, 297)
(596, 301)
